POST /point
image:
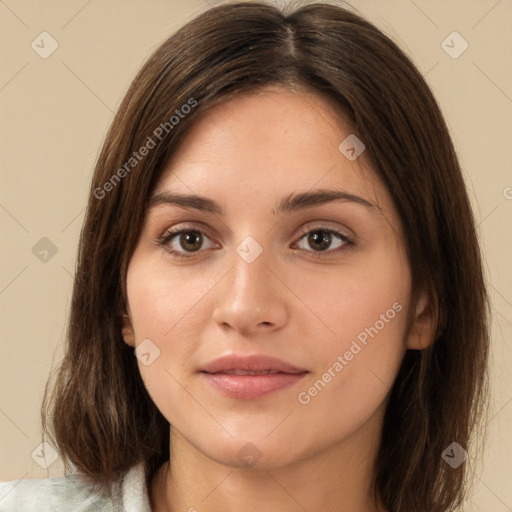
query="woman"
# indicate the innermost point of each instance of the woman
(279, 301)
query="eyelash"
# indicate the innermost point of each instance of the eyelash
(168, 236)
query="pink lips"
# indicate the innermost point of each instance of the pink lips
(250, 377)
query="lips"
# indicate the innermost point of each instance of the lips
(246, 372)
(250, 377)
(251, 363)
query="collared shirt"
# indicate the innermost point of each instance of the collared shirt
(72, 493)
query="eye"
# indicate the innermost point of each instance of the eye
(323, 240)
(179, 242)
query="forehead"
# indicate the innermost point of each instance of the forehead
(255, 148)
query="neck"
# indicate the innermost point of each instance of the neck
(338, 480)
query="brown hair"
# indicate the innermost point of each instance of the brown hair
(99, 413)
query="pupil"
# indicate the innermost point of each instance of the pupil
(316, 237)
(187, 240)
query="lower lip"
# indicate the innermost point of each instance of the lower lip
(251, 387)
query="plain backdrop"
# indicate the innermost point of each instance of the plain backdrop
(55, 112)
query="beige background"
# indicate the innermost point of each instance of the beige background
(55, 112)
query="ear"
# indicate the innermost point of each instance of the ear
(127, 330)
(424, 325)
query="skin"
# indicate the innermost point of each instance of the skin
(247, 154)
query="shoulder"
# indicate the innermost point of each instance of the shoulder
(72, 493)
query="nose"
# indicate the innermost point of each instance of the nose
(251, 298)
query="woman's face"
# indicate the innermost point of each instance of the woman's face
(321, 285)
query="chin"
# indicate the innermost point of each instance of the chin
(253, 451)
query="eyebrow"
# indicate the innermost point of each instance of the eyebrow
(293, 202)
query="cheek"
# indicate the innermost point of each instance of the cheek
(164, 303)
(364, 300)
(363, 312)
(166, 310)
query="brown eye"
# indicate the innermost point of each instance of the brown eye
(184, 242)
(190, 240)
(322, 240)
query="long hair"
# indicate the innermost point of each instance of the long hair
(98, 412)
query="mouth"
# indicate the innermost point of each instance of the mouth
(250, 377)
(246, 372)
(250, 364)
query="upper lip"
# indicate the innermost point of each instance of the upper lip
(249, 363)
